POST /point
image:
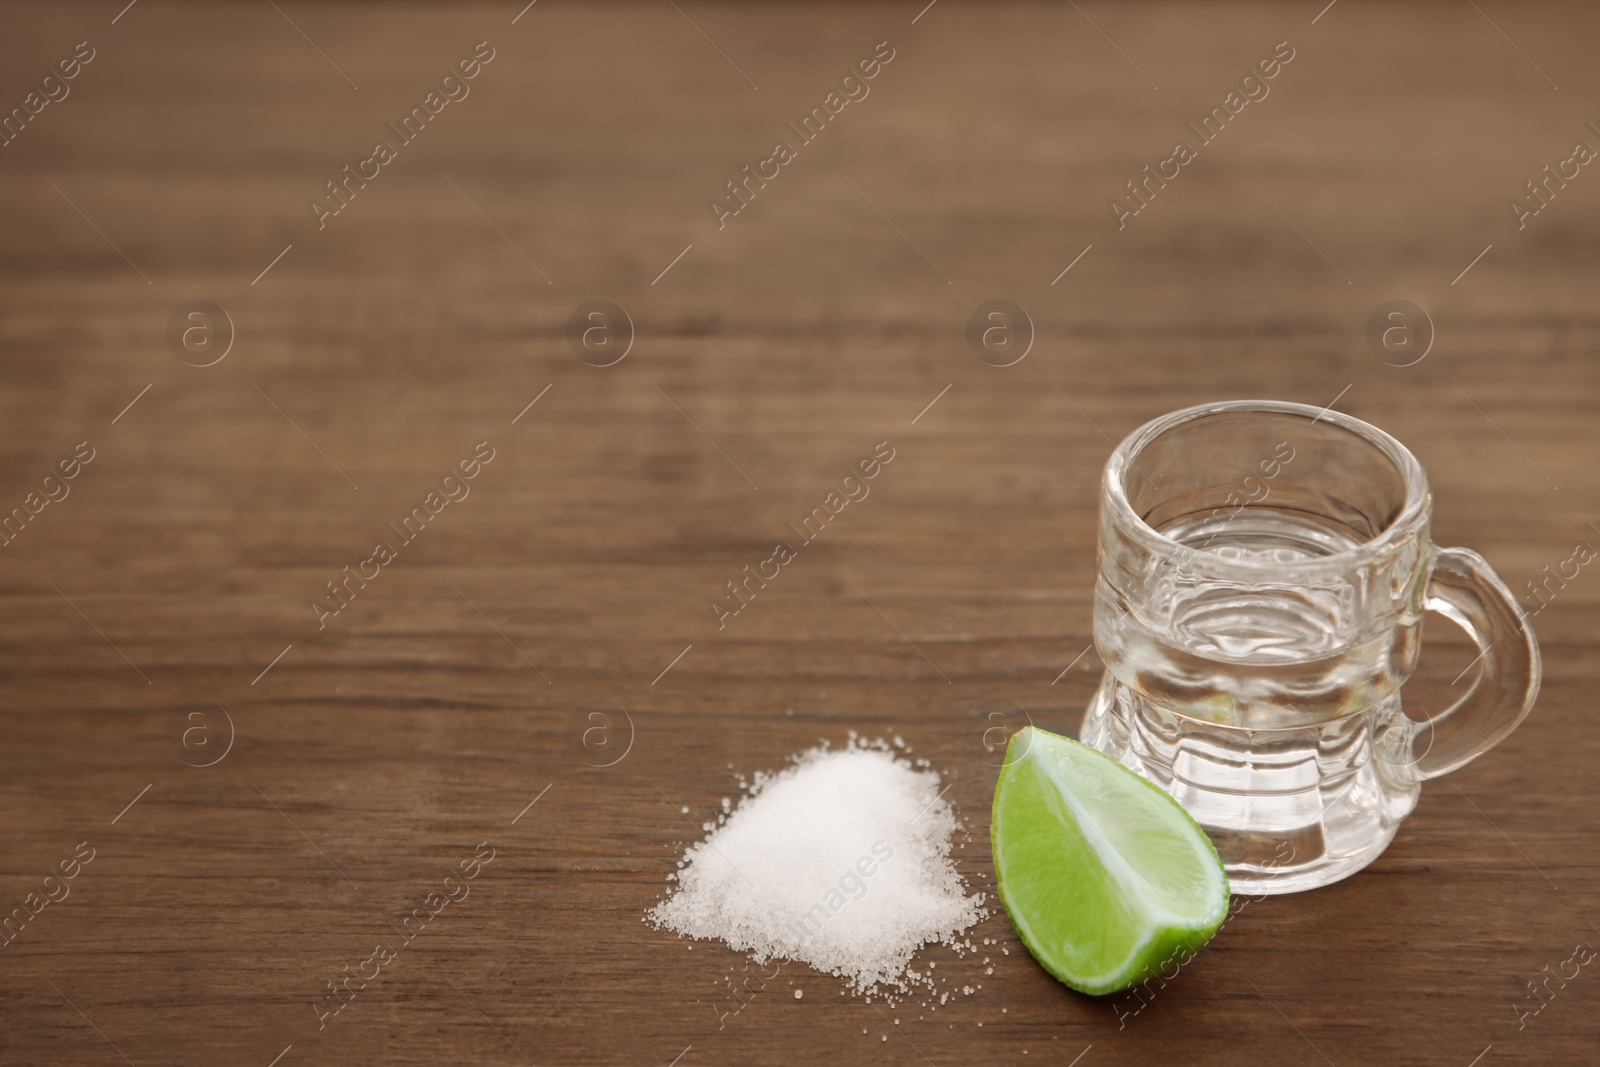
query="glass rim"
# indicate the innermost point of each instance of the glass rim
(1413, 515)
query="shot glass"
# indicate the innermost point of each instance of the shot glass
(1264, 569)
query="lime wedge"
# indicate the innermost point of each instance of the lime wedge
(1105, 877)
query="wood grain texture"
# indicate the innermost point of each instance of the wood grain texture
(380, 749)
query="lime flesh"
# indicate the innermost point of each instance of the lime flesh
(1105, 877)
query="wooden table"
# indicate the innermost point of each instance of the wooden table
(159, 616)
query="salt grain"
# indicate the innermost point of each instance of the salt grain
(841, 861)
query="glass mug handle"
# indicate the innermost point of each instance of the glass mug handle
(1467, 591)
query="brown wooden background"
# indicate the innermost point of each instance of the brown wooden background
(376, 753)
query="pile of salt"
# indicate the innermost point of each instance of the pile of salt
(841, 861)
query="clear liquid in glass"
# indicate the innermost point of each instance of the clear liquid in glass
(1263, 708)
